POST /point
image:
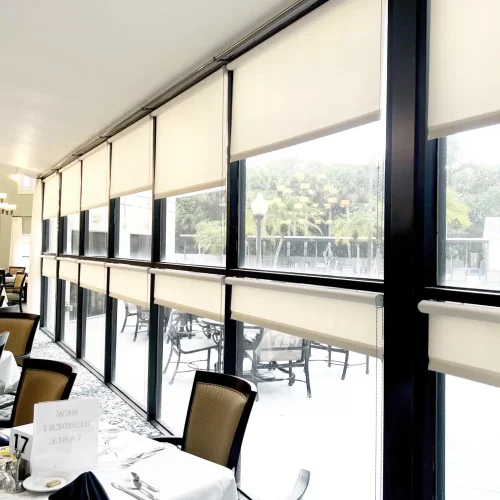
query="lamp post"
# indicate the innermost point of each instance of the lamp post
(259, 208)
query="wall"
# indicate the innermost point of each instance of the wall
(24, 204)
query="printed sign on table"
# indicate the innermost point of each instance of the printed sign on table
(65, 436)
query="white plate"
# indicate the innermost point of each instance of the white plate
(37, 484)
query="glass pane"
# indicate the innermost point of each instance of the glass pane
(190, 343)
(96, 234)
(335, 433)
(470, 224)
(131, 356)
(318, 207)
(50, 305)
(472, 445)
(68, 333)
(50, 237)
(135, 226)
(195, 228)
(94, 321)
(72, 234)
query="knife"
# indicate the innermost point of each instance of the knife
(128, 492)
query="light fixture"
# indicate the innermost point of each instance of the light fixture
(259, 206)
(7, 209)
(15, 177)
(2, 197)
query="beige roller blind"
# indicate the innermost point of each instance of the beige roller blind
(95, 178)
(68, 269)
(70, 189)
(51, 197)
(196, 293)
(195, 121)
(49, 267)
(346, 319)
(93, 276)
(130, 284)
(320, 75)
(132, 159)
(464, 340)
(464, 68)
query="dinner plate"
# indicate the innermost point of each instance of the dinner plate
(38, 484)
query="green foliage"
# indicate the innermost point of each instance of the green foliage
(209, 236)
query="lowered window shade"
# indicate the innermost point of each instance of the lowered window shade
(464, 70)
(318, 76)
(49, 267)
(68, 269)
(95, 178)
(132, 159)
(342, 318)
(93, 276)
(70, 189)
(130, 284)
(196, 122)
(464, 340)
(196, 293)
(51, 197)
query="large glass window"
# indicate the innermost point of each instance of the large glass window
(70, 313)
(131, 355)
(318, 207)
(195, 228)
(49, 316)
(470, 224)
(50, 235)
(134, 237)
(96, 233)
(94, 326)
(71, 225)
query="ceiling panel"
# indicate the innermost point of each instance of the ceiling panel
(70, 68)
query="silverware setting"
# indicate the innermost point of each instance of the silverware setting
(128, 492)
(141, 456)
(137, 479)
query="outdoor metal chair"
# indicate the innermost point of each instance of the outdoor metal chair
(128, 314)
(142, 319)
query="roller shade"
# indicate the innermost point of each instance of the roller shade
(132, 159)
(464, 68)
(95, 178)
(196, 293)
(195, 121)
(130, 284)
(318, 76)
(70, 189)
(51, 197)
(346, 319)
(464, 340)
(49, 267)
(93, 276)
(68, 270)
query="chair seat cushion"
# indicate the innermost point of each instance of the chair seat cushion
(13, 296)
(196, 344)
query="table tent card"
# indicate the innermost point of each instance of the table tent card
(65, 437)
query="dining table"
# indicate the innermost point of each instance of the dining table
(176, 474)
(9, 372)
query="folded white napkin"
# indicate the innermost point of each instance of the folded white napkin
(129, 445)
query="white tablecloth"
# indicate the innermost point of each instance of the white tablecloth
(178, 475)
(9, 372)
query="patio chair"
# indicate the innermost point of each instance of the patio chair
(217, 418)
(142, 319)
(42, 380)
(22, 328)
(128, 313)
(14, 294)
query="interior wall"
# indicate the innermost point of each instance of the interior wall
(24, 203)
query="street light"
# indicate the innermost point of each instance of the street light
(259, 208)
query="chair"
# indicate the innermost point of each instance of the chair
(217, 418)
(42, 380)
(3, 339)
(142, 319)
(22, 328)
(127, 315)
(14, 294)
(16, 270)
(2, 277)
(2, 298)
(10, 309)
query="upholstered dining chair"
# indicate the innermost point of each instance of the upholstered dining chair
(42, 380)
(15, 294)
(16, 269)
(217, 418)
(22, 328)
(2, 298)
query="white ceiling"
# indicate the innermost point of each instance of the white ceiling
(70, 68)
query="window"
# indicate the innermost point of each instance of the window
(96, 233)
(318, 207)
(71, 228)
(26, 185)
(134, 236)
(131, 354)
(69, 313)
(49, 316)
(470, 218)
(94, 328)
(195, 228)
(50, 235)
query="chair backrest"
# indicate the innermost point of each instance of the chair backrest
(19, 280)
(2, 276)
(16, 269)
(42, 380)
(22, 328)
(217, 417)
(9, 309)
(3, 339)
(2, 297)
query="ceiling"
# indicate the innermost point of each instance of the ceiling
(71, 68)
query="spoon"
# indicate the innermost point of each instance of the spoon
(138, 486)
(138, 480)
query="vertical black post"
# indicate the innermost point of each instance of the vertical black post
(60, 296)
(113, 227)
(80, 324)
(441, 211)
(441, 437)
(82, 314)
(109, 345)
